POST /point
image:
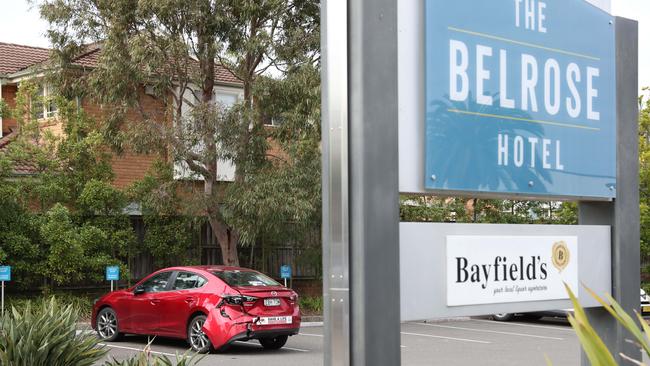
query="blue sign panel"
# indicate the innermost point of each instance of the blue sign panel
(112, 273)
(520, 98)
(285, 272)
(5, 273)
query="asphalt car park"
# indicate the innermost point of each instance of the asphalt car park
(450, 342)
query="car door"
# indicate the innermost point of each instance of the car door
(144, 317)
(177, 304)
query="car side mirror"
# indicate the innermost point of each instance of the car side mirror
(138, 290)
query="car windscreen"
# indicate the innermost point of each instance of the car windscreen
(245, 278)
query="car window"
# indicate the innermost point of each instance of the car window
(245, 278)
(188, 280)
(157, 283)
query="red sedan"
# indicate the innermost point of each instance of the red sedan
(209, 306)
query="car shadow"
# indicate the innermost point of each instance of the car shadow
(251, 347)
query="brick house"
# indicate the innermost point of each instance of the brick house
(19, 63)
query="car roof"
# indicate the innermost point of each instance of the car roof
(208, 268)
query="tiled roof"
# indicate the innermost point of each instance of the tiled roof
(14, 57)
(91, 58)
(18, 167)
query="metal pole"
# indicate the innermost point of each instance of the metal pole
(111, 285)
(285, 282)
(374, 183)
(334, 48)
(360, 183)
(623, 213)
(3, 299)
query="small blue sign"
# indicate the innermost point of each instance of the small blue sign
(520, 98)
(285, 272)
(112, 273)
(5, 273)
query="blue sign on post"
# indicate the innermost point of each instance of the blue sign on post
(520, 98)
(5, 273)
(285, 272)
(112, 273)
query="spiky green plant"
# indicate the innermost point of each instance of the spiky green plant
(46, 335)
(146, 358)
(592, 344)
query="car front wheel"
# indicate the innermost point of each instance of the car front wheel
(274, 343)
(197, 339)
(107, 329)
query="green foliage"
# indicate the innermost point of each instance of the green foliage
(311, 304)
(46, 336)
(145, 358)
(453, 209)
(644, 174)
(80, 303)
(164, 45)
(64, 222)
(168, 239)
(592, 343)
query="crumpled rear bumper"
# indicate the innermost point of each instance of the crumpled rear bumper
(222, 330)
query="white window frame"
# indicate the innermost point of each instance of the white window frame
(50, 109)
(225, 169)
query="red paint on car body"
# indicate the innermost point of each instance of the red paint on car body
(168, 312)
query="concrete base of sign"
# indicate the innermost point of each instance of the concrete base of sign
(423, 267)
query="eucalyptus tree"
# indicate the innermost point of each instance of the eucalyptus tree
(176, 48)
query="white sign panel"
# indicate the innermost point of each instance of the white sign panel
(506, 269)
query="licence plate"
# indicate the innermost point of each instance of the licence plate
(274, 320)
(645, 309)
(271, 302)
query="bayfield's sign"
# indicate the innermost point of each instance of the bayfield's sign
(504, 269)
(520, 98)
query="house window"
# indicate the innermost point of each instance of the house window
(45, 106)
(225, 168)
(273, 121)
(226, 100)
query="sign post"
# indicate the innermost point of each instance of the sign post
(285, 273)
(623, 212)
(5, 276)
(112, 274)
(360, 182)
(502, 100)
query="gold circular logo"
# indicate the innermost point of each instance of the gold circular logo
(561, 255)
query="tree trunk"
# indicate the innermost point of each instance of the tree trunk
(228, 241)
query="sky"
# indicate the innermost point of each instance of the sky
(21, 24)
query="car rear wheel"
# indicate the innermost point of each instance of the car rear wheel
(107, 329)
(503, 317)
(197, 339)
(274, 343)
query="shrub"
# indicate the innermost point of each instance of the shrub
(145, 358)
(81, 303)
(592, 344)
(311, 304)
(45, 335)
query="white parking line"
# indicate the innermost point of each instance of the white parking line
(568, 329)
(490, 331)
(320, 335)
(449, 338)
(137, 349)
(295, 349)
(310, 335)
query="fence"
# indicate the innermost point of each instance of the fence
(305, 257)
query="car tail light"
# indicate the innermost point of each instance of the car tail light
(238, 300)
(293, 298)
